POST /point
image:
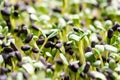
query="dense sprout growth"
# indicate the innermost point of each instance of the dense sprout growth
(59, 40)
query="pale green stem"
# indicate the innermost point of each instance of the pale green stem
(81, 53)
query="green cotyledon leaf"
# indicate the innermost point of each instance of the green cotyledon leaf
(1, 59)
(77, 34)
(29, 68)
(54, 33)
(64, 59)
(111, 48)
(97, 75)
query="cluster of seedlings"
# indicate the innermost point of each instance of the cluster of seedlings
(59, 40)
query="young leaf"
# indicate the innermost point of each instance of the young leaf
(98, 25)
(5, 30)
(80, 70)
(76, 20)
(44, 18)
(108, 24)
(97, 63)
(54, 33)
(48, 54)
(19, 76)
(93, 37)
(1, 42)
(117, 68)
(77, 35)
(63, 59)
(34, 17)
(27, 59)
(92, 28)
(42, 32)
(100, 48)
(98, 75)
(115, 56)
(96, 52)
(74, 37)
(29, 68)
(30, 9)
(90, 56)
(112, 64)
(62, 22)
(39, 65)
(1, 59)
(111, 48)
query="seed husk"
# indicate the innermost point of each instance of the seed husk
(3, 77)
(2, 37)
(6, 59)
(18, 55)
(76, 29)
(58, 45)
(93, 43)
(5, 56)
(80, 6)
(8, 49)
(49, 44)
(16, 29)
(20, 64)
(4, 70)
(8, 23)
(59, 61)
(118, 29)
(49, 65)
(99, 37)
(88, 49)
(70, 51)
(86, 68)
(64, 76)
(13, 46)
(67, 48)
(110, 33)
(16, 13)
(23, 29)
(11, 54)
(16, 6)
(25, 75)
(56, 10)
(35, 27)
(40, 41)
(35, 50)
(109, 71)
(74, 67)
(5, 12)
(25, 47)
(82, 75)
(41, 37)
(4, 45)
(114, 28)
(43, 60)
(7, 4)
(109, 77)
(28, 38)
